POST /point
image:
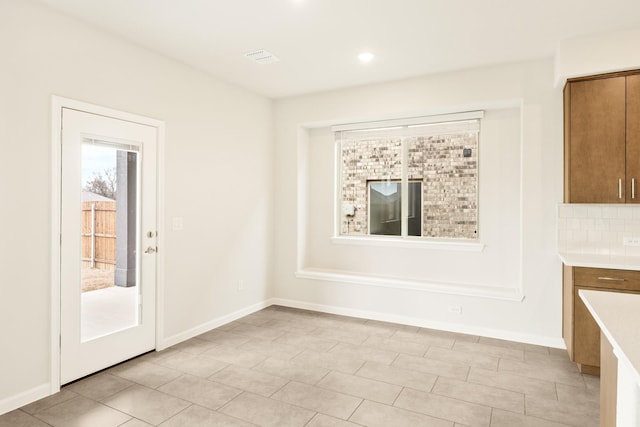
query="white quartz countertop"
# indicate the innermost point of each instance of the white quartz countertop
(618, 315)
(619, 262)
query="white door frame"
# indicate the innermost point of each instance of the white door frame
(57, 103)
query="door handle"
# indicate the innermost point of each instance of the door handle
(150, 250)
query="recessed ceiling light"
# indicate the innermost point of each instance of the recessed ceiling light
(366, 57)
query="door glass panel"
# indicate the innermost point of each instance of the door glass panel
(109, 256)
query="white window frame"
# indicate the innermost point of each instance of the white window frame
(457, 244)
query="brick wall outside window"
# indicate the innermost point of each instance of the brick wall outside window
(450, 180)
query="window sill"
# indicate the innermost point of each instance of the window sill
(440, 245)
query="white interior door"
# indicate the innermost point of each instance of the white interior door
(108, 242)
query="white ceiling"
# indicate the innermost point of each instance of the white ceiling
(318, 40)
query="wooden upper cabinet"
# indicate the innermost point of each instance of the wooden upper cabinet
(633, 139)
(596, 138)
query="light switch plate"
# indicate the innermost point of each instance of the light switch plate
(177, 223)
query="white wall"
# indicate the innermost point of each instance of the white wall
(597, 54)
(527, 193)
(218, 175)
(497, 266)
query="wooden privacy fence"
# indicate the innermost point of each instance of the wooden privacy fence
(99, 235)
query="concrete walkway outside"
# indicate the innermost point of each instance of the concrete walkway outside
(108, 310)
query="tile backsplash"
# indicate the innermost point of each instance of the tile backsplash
(599, 229)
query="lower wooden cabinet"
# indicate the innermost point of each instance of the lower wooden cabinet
(581, 333)
(586, 340)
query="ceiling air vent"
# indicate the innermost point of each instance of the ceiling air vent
(262, 56)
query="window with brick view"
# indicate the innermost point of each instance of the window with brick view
(435, 163)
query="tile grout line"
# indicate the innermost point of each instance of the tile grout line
(219, 409)
(426, 351)
(311, 419)
(172, 416)
(398, 396)
(356, 409)
(281, 387)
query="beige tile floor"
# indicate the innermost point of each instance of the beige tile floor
(285, 367)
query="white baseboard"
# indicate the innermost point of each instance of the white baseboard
(385, 317)
(24, 398)
(424, 323)
(212, 324)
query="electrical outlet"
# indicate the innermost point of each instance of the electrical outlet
(631, 241)
(241, 285)
(456, 309)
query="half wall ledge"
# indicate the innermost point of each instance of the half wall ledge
(464, 289)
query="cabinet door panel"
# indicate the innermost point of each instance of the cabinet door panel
(567, 308)
(567, 143)
(633, 139)
(586, 338)
(597, 158)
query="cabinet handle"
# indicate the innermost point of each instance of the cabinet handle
(612, 279)
(633, 188)
(619, 188)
